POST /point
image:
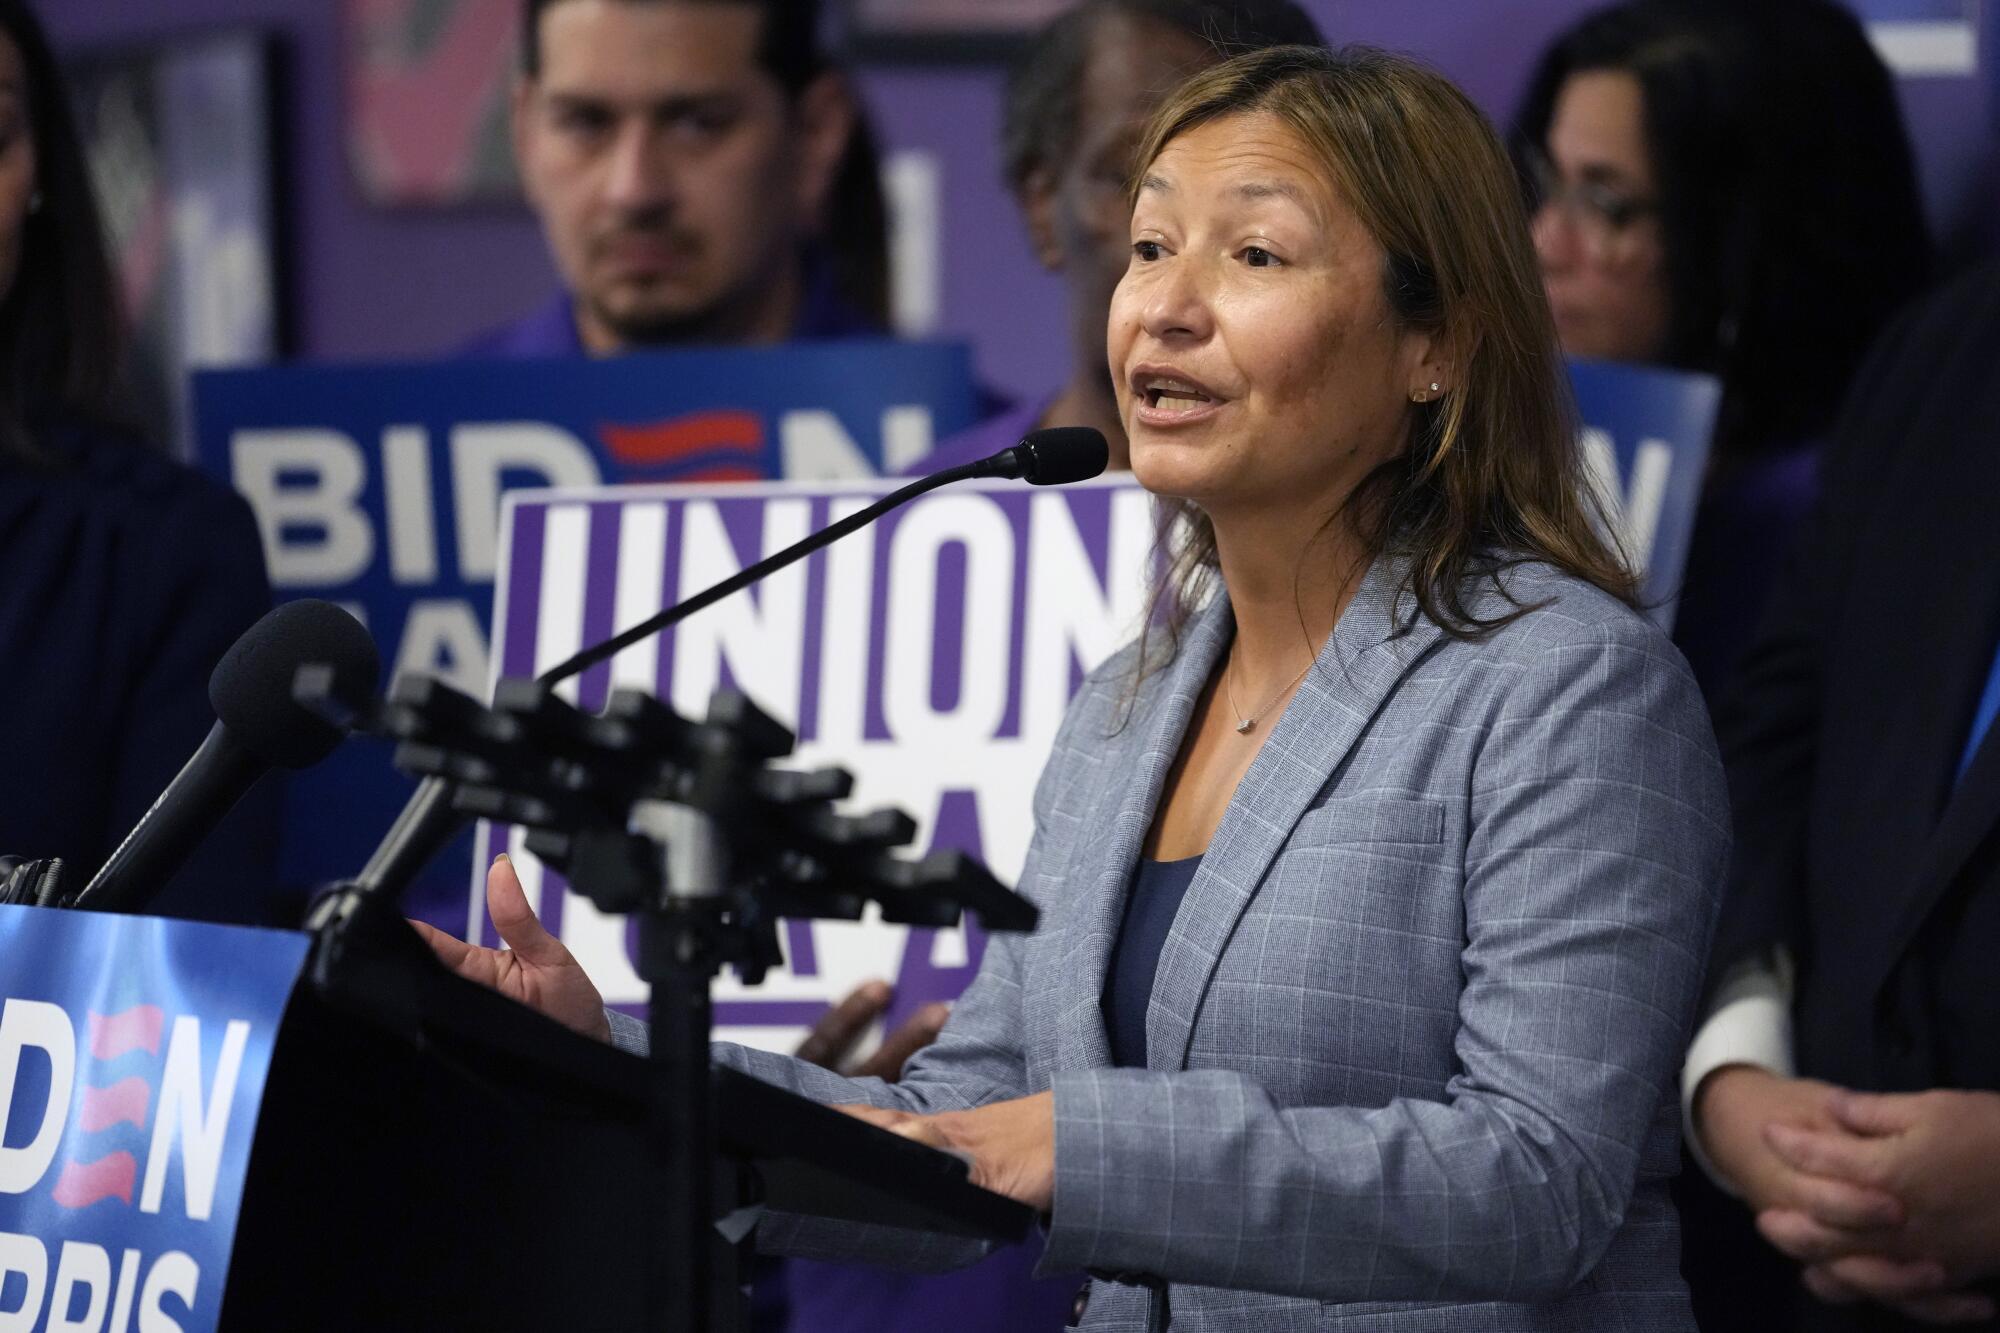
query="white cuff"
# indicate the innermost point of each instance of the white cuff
(1751, 1024)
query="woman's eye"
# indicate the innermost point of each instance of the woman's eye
(1615, 209)
(1146, 251)
(1256, 256)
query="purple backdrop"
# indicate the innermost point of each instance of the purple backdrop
(373, 284)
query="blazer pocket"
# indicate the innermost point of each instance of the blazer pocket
(1371, 819)
(1405, 1316)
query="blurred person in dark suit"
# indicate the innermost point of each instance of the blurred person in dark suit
(1726, 188)
(126, 576)
(703, 174)
(1078, 99)
(1694, 207)
(1846, 1083)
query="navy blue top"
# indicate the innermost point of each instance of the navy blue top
(1157, 890)
(126, 578)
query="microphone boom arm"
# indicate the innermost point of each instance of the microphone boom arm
(750, 574)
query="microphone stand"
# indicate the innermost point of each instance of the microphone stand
(689, 827)
(682, 824)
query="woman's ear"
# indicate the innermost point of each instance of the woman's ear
(1428, 365)
(1037, 198)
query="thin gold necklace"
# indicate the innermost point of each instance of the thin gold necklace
(1243, 724)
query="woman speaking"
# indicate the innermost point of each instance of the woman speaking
(1376, 877)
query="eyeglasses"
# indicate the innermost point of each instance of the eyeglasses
(1603, 214)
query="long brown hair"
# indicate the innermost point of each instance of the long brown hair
(1492, 475)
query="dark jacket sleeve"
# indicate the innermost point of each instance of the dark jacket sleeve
(1769, 724)
(199, 588)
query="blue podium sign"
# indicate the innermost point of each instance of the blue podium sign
(133, 1057)
(379, 487)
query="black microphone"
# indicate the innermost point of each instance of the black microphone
(429, 820)
(1052, 457)
(258, 728)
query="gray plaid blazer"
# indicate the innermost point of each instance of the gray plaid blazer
(1413, 1037)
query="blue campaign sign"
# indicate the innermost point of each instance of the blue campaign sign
(1924, 37)
(379, 487)
(133, 1055)
(1917, 11)
(1645, 443)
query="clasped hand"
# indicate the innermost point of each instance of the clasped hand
(1891, 1198)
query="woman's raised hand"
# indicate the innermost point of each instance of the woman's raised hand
(535, 968)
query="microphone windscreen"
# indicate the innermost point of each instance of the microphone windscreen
(1062, 454)
(251, 687)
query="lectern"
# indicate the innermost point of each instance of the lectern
(445, 1133)
(433, 1156)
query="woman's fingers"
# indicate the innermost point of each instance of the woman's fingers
(450, 950)
(923, 1129)
(507, 904)
(917, 1128)
(875, 1115)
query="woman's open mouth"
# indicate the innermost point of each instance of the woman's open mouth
(1166, 398)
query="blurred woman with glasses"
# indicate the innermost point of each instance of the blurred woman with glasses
(1726, 188)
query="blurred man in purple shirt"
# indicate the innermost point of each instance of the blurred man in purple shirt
(704, 176)
(702, 173)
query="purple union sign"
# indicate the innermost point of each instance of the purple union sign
(932, 655)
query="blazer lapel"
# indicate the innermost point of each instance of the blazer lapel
(1970, 817)
(1361, 663)
(1117, 822)
(1927, 690)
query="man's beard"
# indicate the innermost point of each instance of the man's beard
(708, 324)
(727, 316)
